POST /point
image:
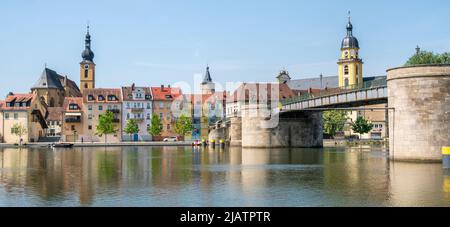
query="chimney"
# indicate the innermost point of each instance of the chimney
(65, 81)
(168, 86)
(132, 87)
(162, 87)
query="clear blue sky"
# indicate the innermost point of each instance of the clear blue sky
(166, 41)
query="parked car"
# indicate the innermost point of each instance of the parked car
(170, 139)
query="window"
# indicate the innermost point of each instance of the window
(109, 107)
(168, 127)
(346, 82)
(7, 116)
(90, 97)
(16, 116)
(90, 127)
(112, 98)
(101, 98)
(346, 54)
(90, 107)
(149, 106)
(168, 106)
(128, 116)
(14, 131)
(100, 107)
(161, 104)
(73, 107)
(148, 116)
(161, 116)
(128, 105)
(346, 70)
(86, 85)
(72, 127)
(90, 116)
(357, 70)
(86, 73)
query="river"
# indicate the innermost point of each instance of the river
(182, 176)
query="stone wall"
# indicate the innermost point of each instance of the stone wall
(236, 131)
(298, 129)
(420, 125)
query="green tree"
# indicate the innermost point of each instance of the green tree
(155, 126)
(334, 122)
(427, 57)
(362, 126)
(183, 125)
(131, 128)
(19, 130)
(106, 125)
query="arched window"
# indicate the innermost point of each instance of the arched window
(346, 71)
(85, 85)
(52, 102)
(346, 54)
(357, 70)
(86, 74)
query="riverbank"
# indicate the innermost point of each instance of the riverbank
(346, 143)
(100, 144)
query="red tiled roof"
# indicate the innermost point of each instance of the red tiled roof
(127, 91)
(73, 100)
(23, 98)
(105, 92)
(161, 94)
(54, 113)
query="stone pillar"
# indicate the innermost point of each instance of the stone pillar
(236, 131)
(420, 125)
(297, 129)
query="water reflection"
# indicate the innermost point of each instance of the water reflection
(174, 176)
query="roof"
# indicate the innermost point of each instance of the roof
(327, 82)
(105, 92)
(241, 95)
(72, 100)
(15, 98)
(128, 91)
(48, 79)
(207, 78)
(162, 94)
(54, 113)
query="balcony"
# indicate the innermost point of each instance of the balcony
(73, 120)
(116, 120)
(139, 120)
(116, 111)
(137, 109)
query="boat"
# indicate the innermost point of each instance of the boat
(62, 145)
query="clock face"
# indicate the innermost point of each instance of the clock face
(86, 66)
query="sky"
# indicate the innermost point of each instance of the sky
(156, 42)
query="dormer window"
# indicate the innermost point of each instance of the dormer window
(101, 98)
(74, 107)
(112, 98)
(168, 96)
(90, 98)
(148, 97)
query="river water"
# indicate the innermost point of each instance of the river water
(181, 176)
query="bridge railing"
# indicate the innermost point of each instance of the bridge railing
(335, 91)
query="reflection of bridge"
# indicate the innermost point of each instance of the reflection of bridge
(369, 93)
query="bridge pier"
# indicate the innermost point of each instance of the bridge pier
(299, 129)
(420, 125)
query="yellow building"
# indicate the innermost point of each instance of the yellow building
(350, 65)
(87, 66)
(26, 110)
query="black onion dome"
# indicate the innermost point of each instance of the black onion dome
(350, 41)
(87, 54)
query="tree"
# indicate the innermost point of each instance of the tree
(155, 126)
(131, 128)
(426, 57)
(19, 130)
(106, 125)
(362, 126)
(334, 122)
(183, 125)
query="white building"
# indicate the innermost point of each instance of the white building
(137, 105)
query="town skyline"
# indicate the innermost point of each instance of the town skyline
(126, 53)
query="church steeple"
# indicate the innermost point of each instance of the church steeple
(87, 65)
(87, 54)
(208, 86)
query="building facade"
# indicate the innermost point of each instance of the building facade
(137, 105)
(54, 121)
(96, 102)
(27, 111)
(166, 102)
(350, 64)
(72, 115)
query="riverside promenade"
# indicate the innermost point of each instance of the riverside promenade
(100, 144)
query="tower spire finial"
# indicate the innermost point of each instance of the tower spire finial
(349, 16)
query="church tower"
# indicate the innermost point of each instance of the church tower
(350, 65)
(208, 86)
(87, 66)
